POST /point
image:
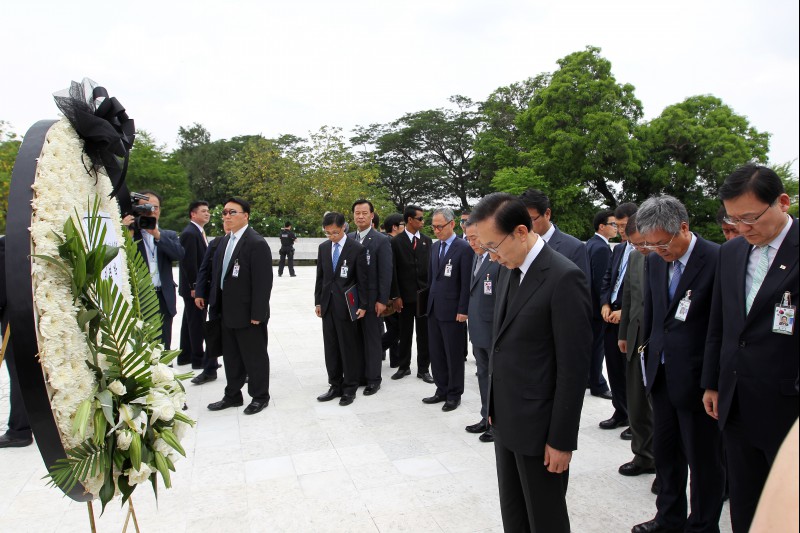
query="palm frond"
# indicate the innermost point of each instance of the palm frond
(82, 462)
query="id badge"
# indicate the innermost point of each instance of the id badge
(153, 265)
(783, 320)
(448, 269)
(487, 286)
(368, 258)
(642, 362)
(683, 307)
(235, 272)
(343, 272)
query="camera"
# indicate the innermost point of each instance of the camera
(143, 213)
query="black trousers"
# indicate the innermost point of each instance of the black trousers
(343, 353)
(246, 359)
(286, 253)
(408, 317)
(531, 498)
(391, 339)
(18, 425)
(482, 362)
(615, 366)
(370, 331)
(166, 320)
(446, 342)
(686, 439)
(192, 334)
(749, 463)
(640, 414)
(597, 383)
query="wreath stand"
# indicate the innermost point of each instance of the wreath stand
(130, 514)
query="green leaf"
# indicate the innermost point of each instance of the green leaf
(106, 492)
(99, 426)
(171, 439)
(124, 487)
(135, 451)
(107, 404)
(81, 422)
(85, 316)
(163, 468)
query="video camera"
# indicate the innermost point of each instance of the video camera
(143, 213)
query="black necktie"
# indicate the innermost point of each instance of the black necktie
(513, 285)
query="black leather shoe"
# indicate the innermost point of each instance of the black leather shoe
(434, 399)
(369, 390)
(425, 376)
(224, 404)
(626, 434)
(346, 399)
(613, 423)
(450, 405)
(400, 374)
(488, 436)
(255, 407)
(11, 442)
(332, 393)
(632, 469)
(203, 378)
(654, 488)
(606, 395)
(480, 427)
(653, 527)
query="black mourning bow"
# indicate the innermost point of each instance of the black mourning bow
(102, 123)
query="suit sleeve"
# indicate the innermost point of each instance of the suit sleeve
(261, 282)
(625, 317)
(605, 285)
(203, 282)
(318, 284)
(572, 340)
(466, 275)
(385, 270)
(710, 377)
(394, 290)
(647, 312)
(170, 246)
(189, 265)
(362, 278)
(601, 264)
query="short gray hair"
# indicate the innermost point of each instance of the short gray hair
(446, 212)
(663, 212)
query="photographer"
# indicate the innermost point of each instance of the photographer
(159, 248)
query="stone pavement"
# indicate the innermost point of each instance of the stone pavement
(385, 463)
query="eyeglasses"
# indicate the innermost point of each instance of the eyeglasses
(655, 247)
(230, 212)
(463, 221)
(420, 219)
(493, 250)
(332, 233)
(745, 221)
(614, 224)
(440, 227)
(534, 219)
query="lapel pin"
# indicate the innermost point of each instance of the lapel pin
(783, 267)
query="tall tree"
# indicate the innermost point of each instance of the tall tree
(9, 147)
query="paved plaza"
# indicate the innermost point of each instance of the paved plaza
(385, 463)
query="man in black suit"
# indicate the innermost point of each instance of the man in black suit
(538, 205)
(159, 248)
(751, 364)
(482, 290)
(287, 249)
(611, 311)
(411, 254)
(240, 289)
(204, 276)
(539, 366)
(341, 265)
(18, 434)
(680, 281)
(392, 227)
(194, 243)
(448, 303)
(599, 252)
(378, 251)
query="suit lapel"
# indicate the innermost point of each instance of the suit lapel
(787, 256)
(481, 271)
(693, 268)
(533, 279)
(236, 249)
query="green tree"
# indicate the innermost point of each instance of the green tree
(9, 147)
(151, 167)
(790, 183)
(688, 151)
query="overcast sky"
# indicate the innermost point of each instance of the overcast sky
(256, 66)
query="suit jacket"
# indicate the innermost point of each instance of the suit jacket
(330, 286)
(205, 275)
(481, 305)
(449, 295)
(630, 321)
(571, 248)
(410, 266)
(245, 297)
(168, 250)
(611, 276)
(743, 357)
(599, 253)
(539, 362)
(379, 266)
(683, 342)
(194, 247)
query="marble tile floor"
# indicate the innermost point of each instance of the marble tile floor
(386, 463)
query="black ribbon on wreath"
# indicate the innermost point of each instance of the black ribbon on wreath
(105, 128)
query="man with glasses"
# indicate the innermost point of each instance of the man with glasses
(341, 266)
(539, 364)
(240, 289)
(599, 252)
(448, 304)
(411, 255)
(677, 296)
(159, 248)
(751, 363)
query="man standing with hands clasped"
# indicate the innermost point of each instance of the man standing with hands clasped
(542, 342)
